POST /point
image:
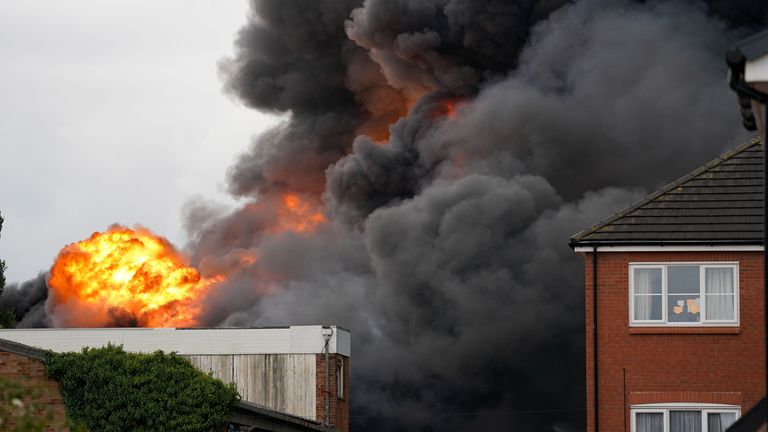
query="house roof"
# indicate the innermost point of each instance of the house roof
(720, 202)
(754, 46)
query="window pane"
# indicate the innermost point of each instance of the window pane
(719, 280)
(719, 422)
(719, 287)
(647, 281)
(720, 307)
(649, 422)
(648, 307)
(685, 421)
(683, 308)
(683, 279)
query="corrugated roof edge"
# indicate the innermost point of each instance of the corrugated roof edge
(281, 417)
(575, 239)
(22, 349)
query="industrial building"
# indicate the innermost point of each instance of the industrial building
(297, 374)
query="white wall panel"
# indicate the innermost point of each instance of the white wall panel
(282, 382)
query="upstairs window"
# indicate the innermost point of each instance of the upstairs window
(684, 294)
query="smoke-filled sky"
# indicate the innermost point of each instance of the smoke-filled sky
(111, 112)
(452, 147)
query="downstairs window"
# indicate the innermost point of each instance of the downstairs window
(683, 417)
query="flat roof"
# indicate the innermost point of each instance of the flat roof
(189, 341)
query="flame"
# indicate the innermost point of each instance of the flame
(128, 270)
(298, 215)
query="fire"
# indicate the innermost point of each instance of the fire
(127, 271)
(298, 215)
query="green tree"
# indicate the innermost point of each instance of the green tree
(107, 389)
(7, 317)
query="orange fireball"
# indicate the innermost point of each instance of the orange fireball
(297, 214)
(124, 274)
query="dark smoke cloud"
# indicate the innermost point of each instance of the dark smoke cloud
(27, 301)
(583, 99)
(291, 58)
(446, 248)
(450, 45)
(446, 253)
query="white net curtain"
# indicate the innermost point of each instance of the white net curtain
(684, 421)
(648, 294)
(650, 422)
(719, 293)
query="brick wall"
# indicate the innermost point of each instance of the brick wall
(706, 365)
(43, 396)
(339, 407)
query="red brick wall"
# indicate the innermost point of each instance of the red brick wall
(721, 365)
(339, 407)
(44, 397)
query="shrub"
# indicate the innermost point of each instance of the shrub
(108, 389)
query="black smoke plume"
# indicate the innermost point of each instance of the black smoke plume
(446, 249)
(454, 146)
(27, 302)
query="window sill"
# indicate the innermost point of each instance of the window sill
(684, 330)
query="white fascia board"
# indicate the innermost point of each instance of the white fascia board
(686, 248)
(215, 341)
(756, 70)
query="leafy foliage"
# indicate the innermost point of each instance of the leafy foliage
(7, 318)
(108, 389)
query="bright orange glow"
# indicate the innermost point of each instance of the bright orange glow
(298, 215)
(385, 112)
(449, 108)
(129, 270)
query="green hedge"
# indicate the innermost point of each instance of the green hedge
(108, 389)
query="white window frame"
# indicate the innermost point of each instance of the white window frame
(665, 408)
(704, 322)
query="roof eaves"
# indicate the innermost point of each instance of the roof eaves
(662, 243)
(287, 419)
(754, 46)
(577, 239)
(21, 349)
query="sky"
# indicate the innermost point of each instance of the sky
(112, 112)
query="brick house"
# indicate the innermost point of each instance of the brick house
(674, 303)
